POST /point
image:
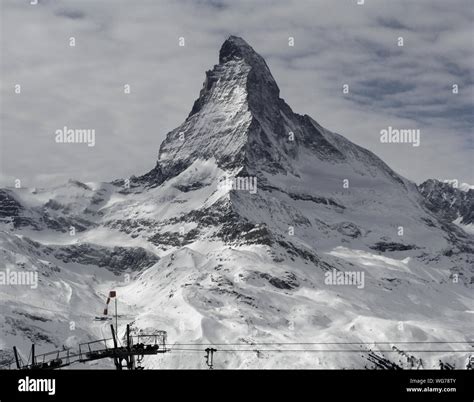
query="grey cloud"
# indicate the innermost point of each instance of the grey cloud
(72, 14)
(336, 42)
(392, 23)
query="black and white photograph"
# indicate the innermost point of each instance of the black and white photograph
(254, 187)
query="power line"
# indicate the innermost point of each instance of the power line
(280, 347)
(322, 343)
(325, 350)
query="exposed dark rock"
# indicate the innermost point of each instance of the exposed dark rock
(9, 206)
(191, 187)
(348, 229)
(392, 246)
(173, 238)
(317, 200)
(448, 202)
(288, 282)
(116, 259)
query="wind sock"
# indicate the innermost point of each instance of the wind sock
(112, 294)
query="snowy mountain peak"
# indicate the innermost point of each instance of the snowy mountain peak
(238, 95)
(240, 120)
(242, 67)
(237, 48)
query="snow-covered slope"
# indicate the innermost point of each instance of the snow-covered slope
(249, 264)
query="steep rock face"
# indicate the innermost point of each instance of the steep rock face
(240, 120)
(216, 127)
(449, 202)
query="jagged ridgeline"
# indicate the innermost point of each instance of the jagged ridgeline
(256, 224)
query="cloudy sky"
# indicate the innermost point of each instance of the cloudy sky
(135, 42)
